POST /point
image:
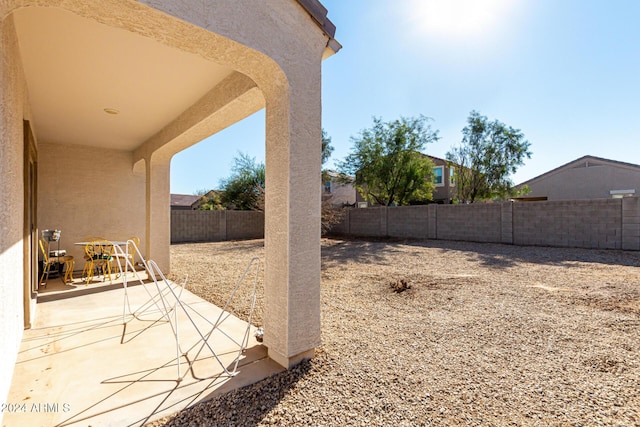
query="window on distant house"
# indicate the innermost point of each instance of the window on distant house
(452, 176)
(327, 187)
(438, 178)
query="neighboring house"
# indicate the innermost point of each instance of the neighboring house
(588, 177)
(97, 96)
(184, 202)
(338, 192)
(444, 176)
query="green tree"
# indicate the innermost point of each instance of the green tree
(387, 164)
(210, 200)
(489, 153)
(327, 149)
(329, 214)
(244, 189)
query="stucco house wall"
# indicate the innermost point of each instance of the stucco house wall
(89, 191)
(12, 111)
(336, 192)
(588, 177)
(342, 193)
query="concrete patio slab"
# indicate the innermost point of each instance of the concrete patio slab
(80, 365)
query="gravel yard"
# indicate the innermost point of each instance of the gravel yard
(485, 334)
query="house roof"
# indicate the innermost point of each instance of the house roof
(438, 161)
(333, 174)
(582, 160)
(184, 199)
(319, 14)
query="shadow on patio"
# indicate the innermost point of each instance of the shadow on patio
(80, 365)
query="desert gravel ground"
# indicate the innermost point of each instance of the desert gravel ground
(485, 334)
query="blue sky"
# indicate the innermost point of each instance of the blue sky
(564, 72)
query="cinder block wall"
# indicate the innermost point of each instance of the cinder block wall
(242, 225)
(198, 226)
(370, 222)
(631, 223)
(569, 223)
(216, 226)
(342, 228)
(598, 223)
(506, 223)
(475, 222)
(410, 221)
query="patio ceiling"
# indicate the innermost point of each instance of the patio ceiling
(77, 70)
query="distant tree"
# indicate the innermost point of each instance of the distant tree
(327, 149)
(329, 214)
(210, 200)
(489, 153)
(244, 189)
(387, 164)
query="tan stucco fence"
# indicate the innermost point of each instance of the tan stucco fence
(600, 223)
(92, 110)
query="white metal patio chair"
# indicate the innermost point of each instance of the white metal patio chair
(173, 305)
(127, 256)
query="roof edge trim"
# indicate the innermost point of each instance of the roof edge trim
(319, 14)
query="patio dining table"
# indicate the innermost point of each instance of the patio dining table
(101, 243)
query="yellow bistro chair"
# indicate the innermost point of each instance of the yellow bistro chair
(67, 261)
(98, 257)
(88, 259)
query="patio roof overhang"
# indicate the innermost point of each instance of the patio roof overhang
(104, 86)
(101, 85)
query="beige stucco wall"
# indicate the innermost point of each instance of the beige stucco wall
(89, 191)
(340, 192)
(591, 182)
(12, 95)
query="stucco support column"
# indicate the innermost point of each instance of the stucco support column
(158, 218)
(292, 221)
